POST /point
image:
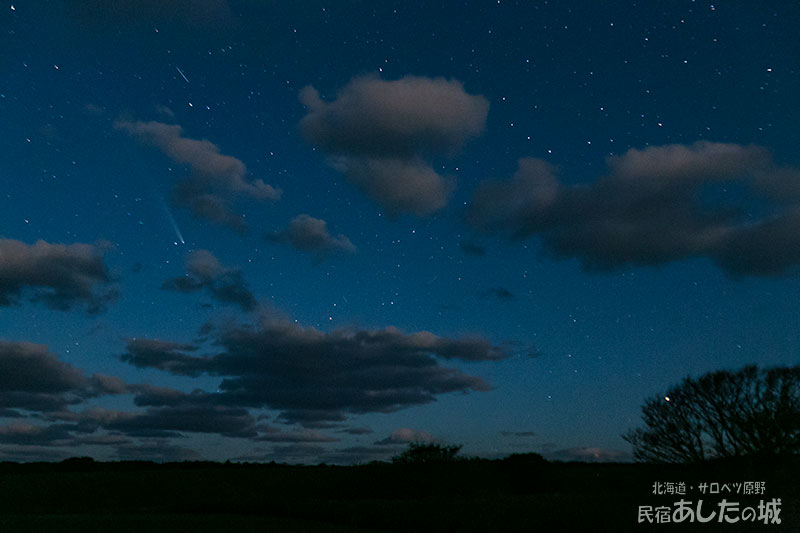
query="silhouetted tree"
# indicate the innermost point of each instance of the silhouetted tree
(427, 453)
(722, 414)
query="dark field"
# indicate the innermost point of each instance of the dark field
(517, 494)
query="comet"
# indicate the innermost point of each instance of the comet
(172, 221)
(175, 227)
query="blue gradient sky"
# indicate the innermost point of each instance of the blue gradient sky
(674, 124)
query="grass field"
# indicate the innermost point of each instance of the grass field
(520, 494)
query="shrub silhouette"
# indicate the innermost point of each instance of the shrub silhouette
(427, 453)
(722, 414)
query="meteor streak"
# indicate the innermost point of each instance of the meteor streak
(182, 74)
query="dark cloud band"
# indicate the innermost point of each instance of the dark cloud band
(314, 376)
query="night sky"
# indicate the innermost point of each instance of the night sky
(317, 231)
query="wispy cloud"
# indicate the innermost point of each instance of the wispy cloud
(205, 272)
(406, 436)
(589, 454)
(216, 179)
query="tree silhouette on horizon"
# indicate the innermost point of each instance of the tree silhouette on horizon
(722, 414)
(427, 453)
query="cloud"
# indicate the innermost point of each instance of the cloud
(507, 205)
(216, 179)
(23, 433)
(405, 436)
(33, 379)
(518, 433)
(498, 293)
(166, 111)
(399, 185)
(202, 416)
(163, 355)
(412, 115)
(105, 384)
(727, 202)
(311, 234)
(152, 395)
(589, 454)
(205, 272)
(213, 207)
(157, 450)
(94, 109)
(315, 377)
(291, 453)
(59, 275)
(312, 418)
(168, 413)
(359, 454)
(26, 453)
(357, 431)
(29, 367)
(108, 439)
(472, 249)
(381, 134)
(272, 434)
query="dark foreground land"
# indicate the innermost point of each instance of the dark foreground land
(523, 493)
